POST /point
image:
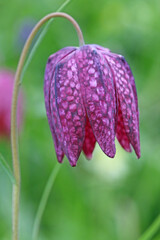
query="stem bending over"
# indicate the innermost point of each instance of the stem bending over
(14, 134)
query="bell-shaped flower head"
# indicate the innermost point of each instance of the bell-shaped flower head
(90, 96)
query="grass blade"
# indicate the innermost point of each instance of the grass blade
(151, 231)
(42, 34)
(7, 169)
(43, 201)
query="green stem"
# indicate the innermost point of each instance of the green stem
(43, 201)
(14, 134)
(42, 34)
(151, 230)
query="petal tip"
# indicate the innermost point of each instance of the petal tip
(88, 156)
(110, 151)
(138, 155)
(60, 160)
(60, 156)
(73, 160)
(73, 164)
(111, 154)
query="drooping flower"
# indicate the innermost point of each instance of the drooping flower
(6, 89)
(90, 95)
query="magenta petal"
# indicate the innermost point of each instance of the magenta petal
(131, 78)
(127, 100)
(120, 129)
(97, 97)
(69, 108)
(49, 71)
(89, 141)
(121, 133)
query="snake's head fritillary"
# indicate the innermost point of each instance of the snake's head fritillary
(6, 90)
(90, 95)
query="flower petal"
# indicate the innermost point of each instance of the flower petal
(49, 71)
(69, 109)
(97, 97)
(131, 78)
(89, 141)
(127, 99)
(121, 133)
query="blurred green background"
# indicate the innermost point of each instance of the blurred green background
(101, 199)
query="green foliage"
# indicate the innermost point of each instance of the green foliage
(152, 230)
(106, 199)
(43, 201)
(7, 169)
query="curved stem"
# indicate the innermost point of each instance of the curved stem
(40, 37)
(14, 135)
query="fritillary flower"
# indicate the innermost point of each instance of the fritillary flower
(90, 96)
(6, 89)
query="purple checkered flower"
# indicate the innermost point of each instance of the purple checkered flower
(90, 95)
